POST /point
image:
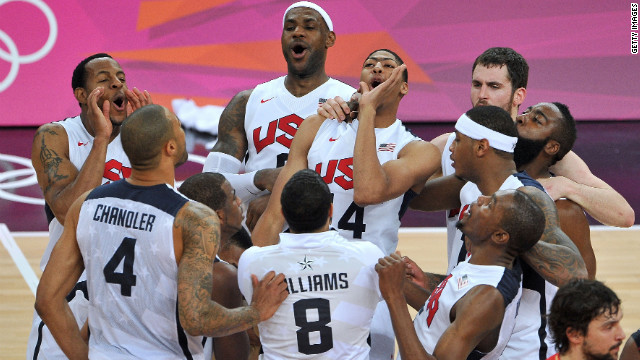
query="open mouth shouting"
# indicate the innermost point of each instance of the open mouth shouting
(119, 102)
(298, 50)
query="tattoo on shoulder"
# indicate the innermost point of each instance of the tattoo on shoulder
(199, 228)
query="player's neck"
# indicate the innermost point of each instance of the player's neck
(537, 169)
(487, 255)
(494, 175)
(386, 115)
(301, 85)
(160, 175)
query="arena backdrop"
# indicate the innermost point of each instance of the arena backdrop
(580, 52)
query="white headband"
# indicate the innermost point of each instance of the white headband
(476, 131)
(313, 6)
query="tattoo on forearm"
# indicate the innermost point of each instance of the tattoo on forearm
(232, 122)
(50, 161)
(433, 280)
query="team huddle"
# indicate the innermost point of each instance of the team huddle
(317, 175)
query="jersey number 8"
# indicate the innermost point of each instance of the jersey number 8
(323, 309)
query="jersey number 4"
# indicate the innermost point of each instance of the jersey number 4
(323, 309)
(357, 226)
(126, 279)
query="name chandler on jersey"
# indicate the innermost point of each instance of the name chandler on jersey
(126, 218)
(320, 282)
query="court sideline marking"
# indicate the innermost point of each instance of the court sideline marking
(18, 258)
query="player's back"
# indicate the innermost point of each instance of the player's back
(125, 234)
(333, 292)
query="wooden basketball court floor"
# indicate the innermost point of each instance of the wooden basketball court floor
(617, 252)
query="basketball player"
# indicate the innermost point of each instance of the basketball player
(331, 281)
(76, 155)
(546, 133)
(499, 78)
(585, 322)
(372, 165)
(472, 312)
(482, 153)
(214, 190)
(158, 303)
(258, 125)
(631, 350)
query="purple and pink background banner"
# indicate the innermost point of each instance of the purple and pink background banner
(579, 52)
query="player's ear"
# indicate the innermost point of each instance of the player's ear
(221, 216)
(552, 147)
(80, 94)
(575, 336)
(481, 146)
(500, 237)
(331, 39)
(518, 96)
(404, 88)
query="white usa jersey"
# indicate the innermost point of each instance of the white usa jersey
(333, 292)
(273, 116)
(434, 317)
(531, 338)
(125, 235)
(41, 344)
(451, 216)
(331, 156)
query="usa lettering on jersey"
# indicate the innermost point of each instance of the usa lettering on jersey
(344, 167)
(434, 300)
(114, 170)
(288, 124)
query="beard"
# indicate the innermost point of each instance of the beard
(594, 356)
(526, 150)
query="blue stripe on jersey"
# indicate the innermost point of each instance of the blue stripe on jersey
(510, 282)
(406, 199)
(533, 281)
(182, 337)
(159, 196)
(527, 180)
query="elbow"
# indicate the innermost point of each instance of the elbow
(192, 326)
(363, 198)
(629, 218)
(41, 306)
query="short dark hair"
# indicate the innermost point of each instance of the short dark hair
(241, 239)
(496, 119)
(79, 77)
(398, 60)
(143, 133)
(566, 133)
(205, 188)
(517, 66)
(306, 201)
(575, 305)
(524, 221)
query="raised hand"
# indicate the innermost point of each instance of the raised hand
(137, 99)
(391, 272)
(99, 119)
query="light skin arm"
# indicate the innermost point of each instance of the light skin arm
(476, 316)
(226, 293)
(197, 228)
(272, 221)
(61, 182)
(574, 223)
(59, 277)
(554, 257)
(575, 181)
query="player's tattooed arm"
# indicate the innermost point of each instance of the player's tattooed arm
(232, 139)
(61, 182)
(198, 229)
(554, 257)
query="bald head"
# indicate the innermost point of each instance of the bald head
(144, 133)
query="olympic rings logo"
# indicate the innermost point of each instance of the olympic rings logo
(13, 57)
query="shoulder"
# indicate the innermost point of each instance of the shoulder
(421, 147)
(569, 210)
(50, 131)
(194, 215)
(225, 275)
(441, 141)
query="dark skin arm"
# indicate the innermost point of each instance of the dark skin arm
(574, 223)
(477, 316)
(197, 228)
(554, 257)
(442, 193)
(226, 293)
(59, 277)
(231, 135)
(420, 284)
(61, 182)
